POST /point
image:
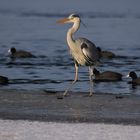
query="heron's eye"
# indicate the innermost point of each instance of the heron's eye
(71, 17)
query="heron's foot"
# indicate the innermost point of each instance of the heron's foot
(90, 94)
(65, 94)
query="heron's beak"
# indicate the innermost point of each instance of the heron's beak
(65, 20)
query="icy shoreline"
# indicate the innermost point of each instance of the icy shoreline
(28, 130)
(48, 106)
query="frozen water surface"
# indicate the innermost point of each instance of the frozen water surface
(26, 130)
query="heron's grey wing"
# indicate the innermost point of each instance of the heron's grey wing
(90, 51)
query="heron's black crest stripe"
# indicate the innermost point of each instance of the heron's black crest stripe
(75, 15)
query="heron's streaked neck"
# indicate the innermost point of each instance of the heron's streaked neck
(70, 33)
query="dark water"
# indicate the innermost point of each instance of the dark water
(32, 26)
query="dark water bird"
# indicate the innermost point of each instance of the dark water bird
(106, 76)
(135, 78)
(106, 54)
(83, 51)
(19, 54)
(3, 80)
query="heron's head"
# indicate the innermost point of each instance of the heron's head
(70, 19)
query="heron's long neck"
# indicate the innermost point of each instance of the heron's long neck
(70, 33)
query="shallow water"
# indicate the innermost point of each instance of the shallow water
(33, 27)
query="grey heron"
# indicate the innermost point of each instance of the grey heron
(83, 51)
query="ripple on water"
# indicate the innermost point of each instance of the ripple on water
(53, 67)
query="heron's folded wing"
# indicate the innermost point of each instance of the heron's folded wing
(90, 51)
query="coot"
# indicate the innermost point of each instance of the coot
(106, 76)
(105, 54)
(135, 79)
(3, 80)
(19, 54)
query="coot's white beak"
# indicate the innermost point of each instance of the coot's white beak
(127, 75)
(9, 51)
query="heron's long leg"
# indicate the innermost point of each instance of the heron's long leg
(91, 80)
(76, 78)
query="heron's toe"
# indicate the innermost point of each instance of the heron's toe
(90, 94)
(65, 94)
